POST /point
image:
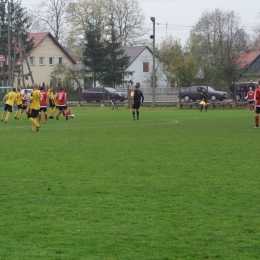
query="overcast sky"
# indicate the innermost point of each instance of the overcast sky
(176, 17)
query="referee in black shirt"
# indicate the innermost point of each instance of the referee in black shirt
(204, 97)
(137, 99)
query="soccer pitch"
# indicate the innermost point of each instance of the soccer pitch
(177, 184)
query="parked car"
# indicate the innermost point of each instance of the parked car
(96, 94)
(193, 93)
(243, 87)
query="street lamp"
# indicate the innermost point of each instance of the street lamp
(153, 77)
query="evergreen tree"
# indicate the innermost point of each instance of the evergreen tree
(19, 27)
(105, 59)
(116, 61)
(94, 52)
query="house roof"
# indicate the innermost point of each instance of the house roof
(134, 51)
(247, 57)
(39, 37)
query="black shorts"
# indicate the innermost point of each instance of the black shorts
(43, 109)
(251, 102)
(24, 107)
(8, 108)
(52, 103)
(257, 110)
(62, 107)
(33, 113)
(20, 107)
(136, 105)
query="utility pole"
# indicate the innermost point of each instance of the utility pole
(10, 83)
(153, 77)
(21, 62)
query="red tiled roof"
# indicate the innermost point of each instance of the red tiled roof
(39, 37)
(246, 58)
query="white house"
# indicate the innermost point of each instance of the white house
(141, 63)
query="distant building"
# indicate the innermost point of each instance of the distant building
(46, 53)
(141, 63)
(249, 62)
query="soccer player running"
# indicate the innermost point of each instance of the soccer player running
(9, 99)
(51, 102)
(251, 98)
(19, 103)
(61, 98)
(43, 105)
(137, 99)
(257, 105)
(24, 98)
(204, 97)
(33, 108)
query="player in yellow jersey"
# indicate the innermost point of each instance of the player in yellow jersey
(51, 97)
(9, 99)
(34, 107)
(19, 103)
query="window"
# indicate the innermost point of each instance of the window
(145, 66)
(51, 61)
(60, 60)
(41, 61)
(31, 60)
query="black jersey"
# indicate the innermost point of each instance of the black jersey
(138, 96)
(204, 96)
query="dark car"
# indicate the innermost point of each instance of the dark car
(96, 94)
(193, 93)
(242, 88)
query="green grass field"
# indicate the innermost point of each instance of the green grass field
(177, 184)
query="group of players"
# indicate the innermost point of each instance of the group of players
(253, 98)
(38, 103)
(40, 99)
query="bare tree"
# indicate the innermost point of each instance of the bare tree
(215, 41)
(127, 17)
(51, 16)
(129, 21)
(256, 36)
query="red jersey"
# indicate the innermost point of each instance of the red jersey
(24, 97)
(61, 98)
(250, 95)
(44, 98)
(257, 96)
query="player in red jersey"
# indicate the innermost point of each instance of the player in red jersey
(61, 98)
(25, 100)
(257, 105)
(251, 98)
(43, 105)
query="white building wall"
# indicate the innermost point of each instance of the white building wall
(145, 77)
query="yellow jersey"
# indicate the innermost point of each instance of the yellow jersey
(56, 100)
(11, 98)
(19, 98)
(50, 94)
(35, 100)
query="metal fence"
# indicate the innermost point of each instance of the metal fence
(162, 94)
